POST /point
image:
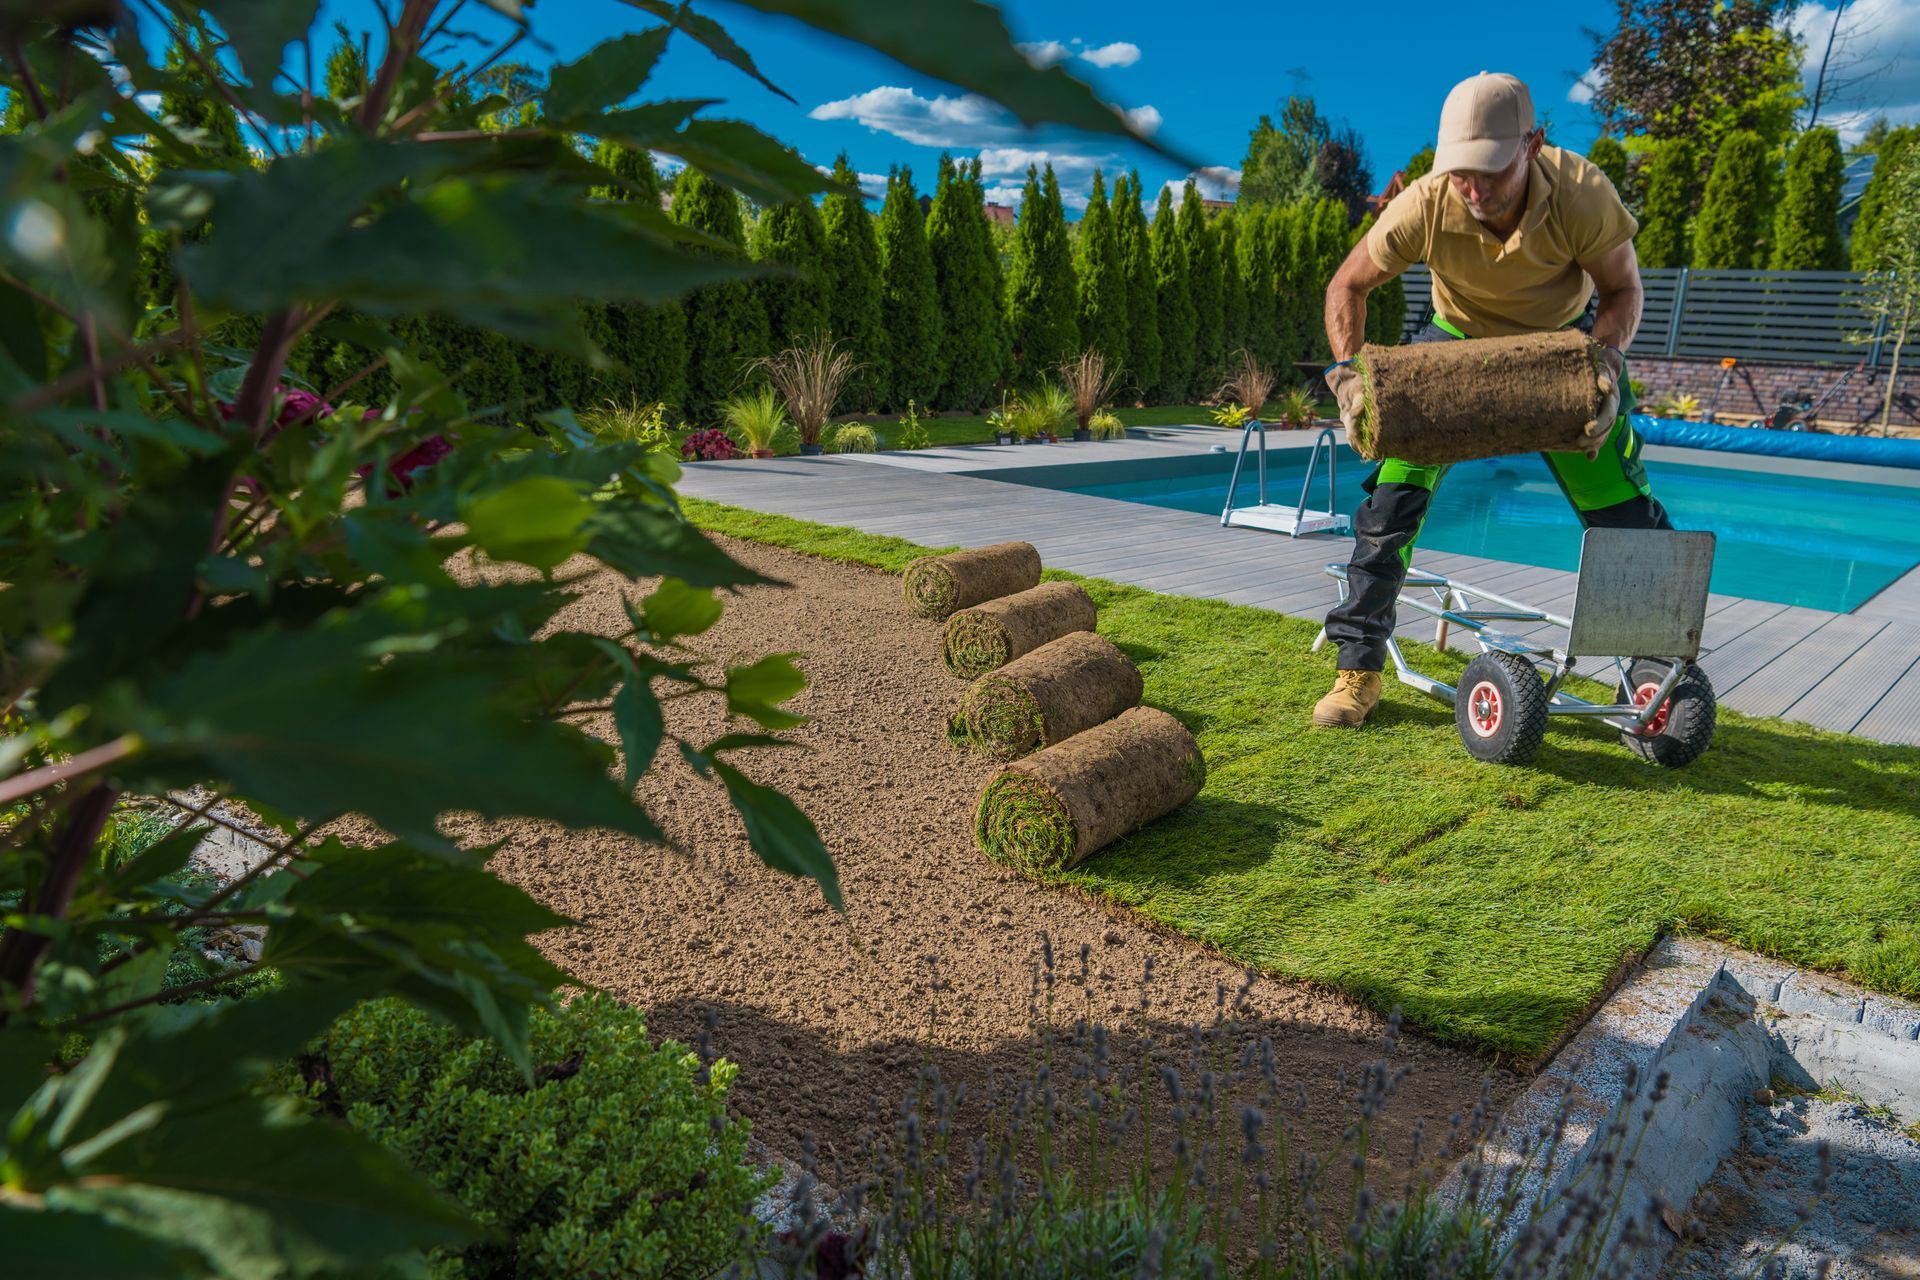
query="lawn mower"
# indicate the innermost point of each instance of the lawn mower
(1640, 592)
(1798, 413)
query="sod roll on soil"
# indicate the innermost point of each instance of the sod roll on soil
(1048, 812)
(1060, 689)
(937, 585)
(1435, 402)
(990, 635)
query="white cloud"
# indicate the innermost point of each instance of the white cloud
(1145, 120)
(1008, 166)
(1215, 182)
(1121, 53)
(1044, 53)
(1004, 194)
(1585, 87)
(1876, 61)
(872, 185)
(967, 120)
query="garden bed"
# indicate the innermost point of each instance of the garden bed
(831, 1018)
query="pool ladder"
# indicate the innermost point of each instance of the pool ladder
(1275, 517)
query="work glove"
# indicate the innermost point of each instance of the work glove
(1615, 368)
(1346, 384)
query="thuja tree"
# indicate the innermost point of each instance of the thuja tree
(316, 605)
(1233, 286)
(1143, 292)
(909, 303)
(1257, 280)
(1202, 252)
(790, 234)
(853, 287)
(1103, 280)
(1610, 158)
(1730, 227)
(1897, 149)
(966, 275)
(1386, 305)
(647, 343)
(726, 322)
(1041, 297)
(1806, 225)
(1667, 183)
(1175, 305)
(1332, 237)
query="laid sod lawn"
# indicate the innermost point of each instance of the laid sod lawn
(1490, 904)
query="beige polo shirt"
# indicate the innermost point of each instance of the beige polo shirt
(1529, 284)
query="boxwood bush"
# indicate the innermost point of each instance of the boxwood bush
(618, 1159)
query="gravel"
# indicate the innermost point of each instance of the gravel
(1867, 1222)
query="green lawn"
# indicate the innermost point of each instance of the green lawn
(1490, 904)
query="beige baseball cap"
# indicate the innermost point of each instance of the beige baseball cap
(1484, 121)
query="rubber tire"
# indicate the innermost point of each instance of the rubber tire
(1691, 714)
(1523, 721)
(1797, 425)
(1758, 424)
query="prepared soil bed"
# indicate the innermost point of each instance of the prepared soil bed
(831, 1018)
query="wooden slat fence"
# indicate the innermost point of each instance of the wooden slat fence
(1795, 316)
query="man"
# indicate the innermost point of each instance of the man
(1518, 236)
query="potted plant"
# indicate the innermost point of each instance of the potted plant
(1106, 425)
(1246, 386)
(1297, 407)
(809, 376)
(1043, 413)
(1088, 383)
(1001, 421)
(754, 418)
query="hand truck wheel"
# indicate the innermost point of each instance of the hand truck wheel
(1682, 729)
(1501, 708)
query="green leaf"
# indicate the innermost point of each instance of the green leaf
(676, 609)
(159, 860)
(308, 722)
(757, 691)
(737, 154)
(783, 837)
(538, 521)
(646, 124)
(609, 73)
(261, 30)
(966, 42)
(76, 1244)
(641, 540)
(638, 720)
(711, 34)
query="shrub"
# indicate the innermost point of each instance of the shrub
(1106, 426)
(909, 298)
(1669, 180)
(620, 1159)
(1042, 295)
(853, 284)
(1728, 232)
(754, 419)
(631, 423)
(1297, 407)
(1177, 319)
(855, 437)
(966, 270)
(709, 444)
(1231, 415)
(1045, 411)
(1806, 226)
(1103, 281)
(1143, 297)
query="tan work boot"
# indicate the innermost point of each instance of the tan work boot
(1355, 695)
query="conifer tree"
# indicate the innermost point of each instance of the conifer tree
(1332, 237)
(726, 323)
(1667, 185)
(1203, 285)
(1897, 148)
(1257, 281)
(1806, 226)
(649, 342)
(1233, 286)
(1176, 305)
(1728, 231)
(1610, 158)
(791, 234)
(909, 302)
(1041, 293)
(1103, 280)
(1283, 232)
(1143, 294)
(853, 288)
(346, 74)
(1386, 305)
(966, 277)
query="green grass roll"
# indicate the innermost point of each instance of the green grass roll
(1062, 688)
(1047, 813)
(990, 635)
(937, 585)
(1435, 402)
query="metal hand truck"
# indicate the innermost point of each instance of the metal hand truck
(1640, 592)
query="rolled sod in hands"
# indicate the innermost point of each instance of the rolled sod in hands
(990, 635)
(1435, 402)
(1046, 813)
(937, 585)
(1060, 689)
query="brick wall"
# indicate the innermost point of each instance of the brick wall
(1756, 389)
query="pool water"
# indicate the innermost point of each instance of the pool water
(1793, 539)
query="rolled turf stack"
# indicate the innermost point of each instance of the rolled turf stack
(988, 636)
(1438, 402)
(1062, 688)
(1047, 813)
(938, 585)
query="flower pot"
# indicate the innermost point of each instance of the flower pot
(763, 453)
(1082, 433)
(811, 450)
(1004, 438)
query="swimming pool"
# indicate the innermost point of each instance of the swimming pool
(1790, 538)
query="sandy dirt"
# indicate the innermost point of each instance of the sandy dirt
(829, 1015)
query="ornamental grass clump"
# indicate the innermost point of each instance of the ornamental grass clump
(854, 437)
(1248, 382)
(810, 375)
(1296, 407)
(1044, 411)
(755, 419)
(1106, 426)
(1089, 381)
(617, 1158)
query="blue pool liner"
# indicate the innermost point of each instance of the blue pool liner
(1871, 451)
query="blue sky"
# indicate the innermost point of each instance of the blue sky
(1199, 74)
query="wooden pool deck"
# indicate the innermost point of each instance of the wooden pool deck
(1855, 672)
